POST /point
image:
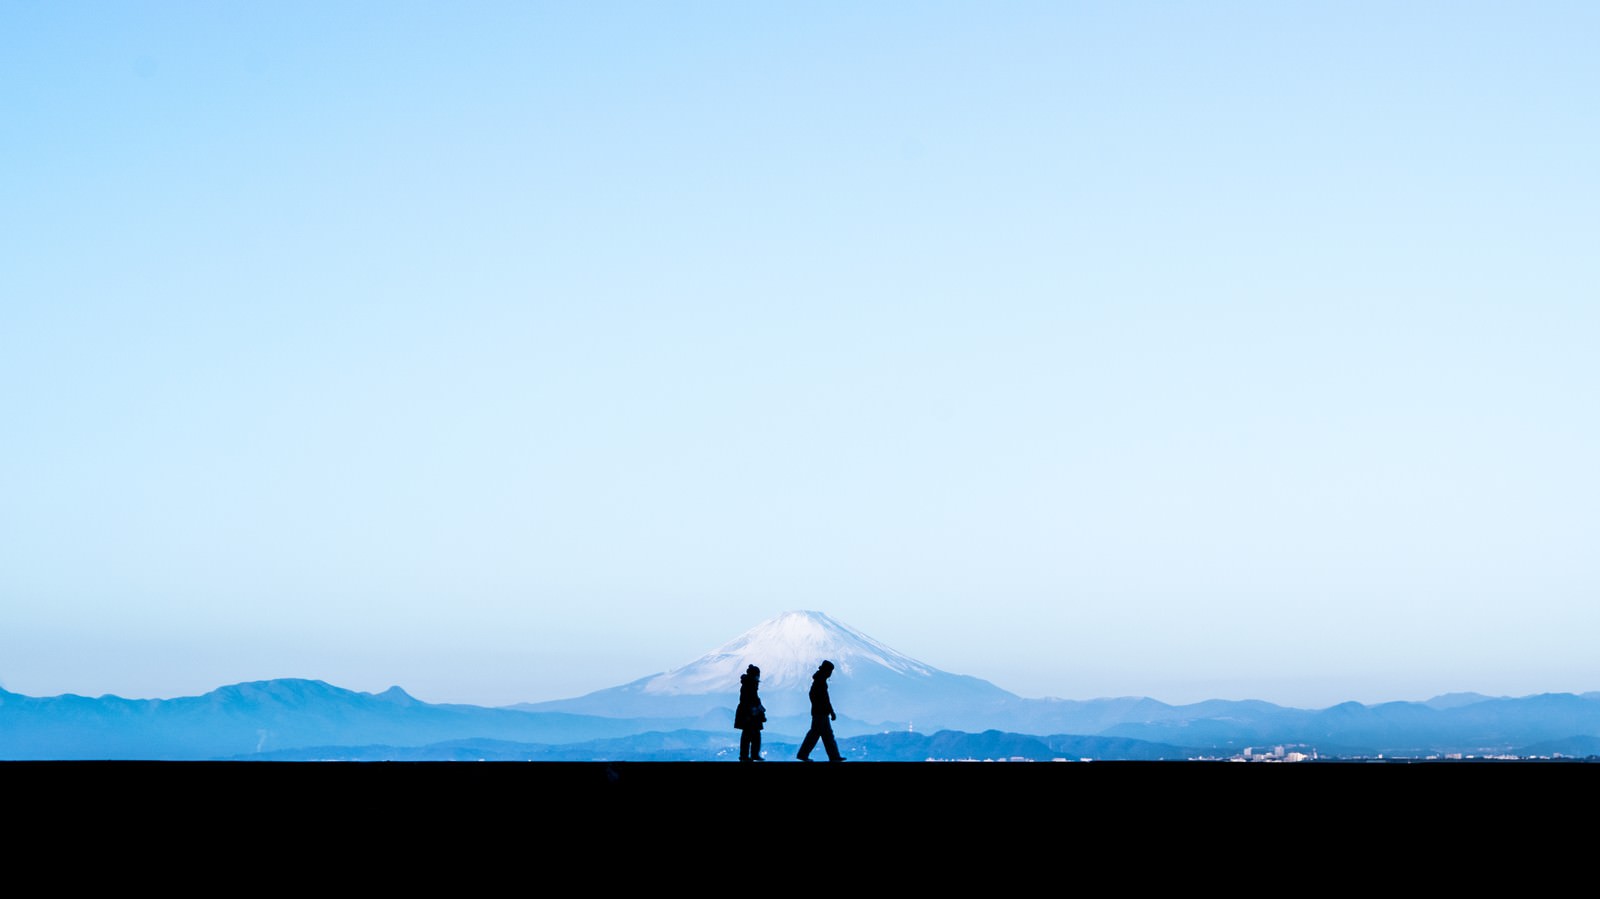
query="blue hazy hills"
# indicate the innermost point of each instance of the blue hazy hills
(892, 707)
(302, 719)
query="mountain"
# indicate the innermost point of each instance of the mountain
(265, 716)
(891, 707)
(874, 687)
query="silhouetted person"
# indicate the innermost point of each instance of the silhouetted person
(750, 715)
(821, 716)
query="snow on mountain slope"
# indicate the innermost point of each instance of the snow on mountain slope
(873, 685)
(788, 650)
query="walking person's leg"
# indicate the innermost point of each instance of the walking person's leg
(806, 745)
(832, 747)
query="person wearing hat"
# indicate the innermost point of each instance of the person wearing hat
(821, 714)
(750, 715)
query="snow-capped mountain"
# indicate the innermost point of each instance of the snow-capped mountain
(788, 650)
(873, 687)
(890, 706)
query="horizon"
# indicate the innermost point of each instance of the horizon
(508, 351)
(732, 688)
(402, 689)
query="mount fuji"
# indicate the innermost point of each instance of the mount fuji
(890, 706)
(874, 688)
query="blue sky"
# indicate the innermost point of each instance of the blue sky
(509, 351)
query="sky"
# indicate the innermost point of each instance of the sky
(508, 351)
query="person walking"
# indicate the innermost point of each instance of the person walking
(750, 715)
(821, 715)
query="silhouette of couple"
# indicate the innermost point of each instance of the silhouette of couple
(751, 715)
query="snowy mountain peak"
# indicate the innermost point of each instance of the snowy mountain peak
(871, 683)
(787, 649)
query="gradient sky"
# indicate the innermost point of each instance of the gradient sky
(509, 351)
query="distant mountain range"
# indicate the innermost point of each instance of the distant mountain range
(892, 708)
(876, 687)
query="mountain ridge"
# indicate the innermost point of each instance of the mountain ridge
(302, 718)
(877, 690)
